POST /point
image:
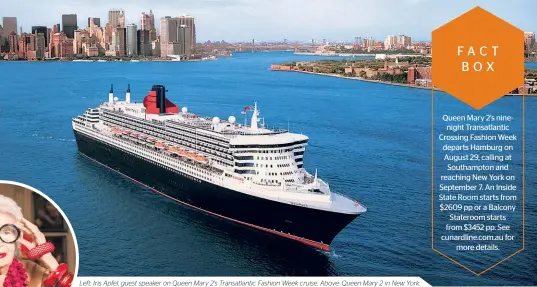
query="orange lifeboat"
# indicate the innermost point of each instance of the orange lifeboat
(200, 158)
(159, 145)
(173, 149)
(117, 130)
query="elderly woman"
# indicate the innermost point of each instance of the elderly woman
(37, 268)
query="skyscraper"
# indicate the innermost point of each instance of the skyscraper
(41, 30)
(147, 23)
(9, 25)
(189, 22)
(119, 41)
(177, 36)
(69, 23)
(132, 49)
(114, 17)
(40, 46)
(143, 43)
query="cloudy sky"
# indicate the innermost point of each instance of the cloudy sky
(301, 20)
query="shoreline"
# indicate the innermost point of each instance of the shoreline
(384, 83)
(358, 55)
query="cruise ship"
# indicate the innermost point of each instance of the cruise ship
(244, 173)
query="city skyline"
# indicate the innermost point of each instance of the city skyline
(300, 20)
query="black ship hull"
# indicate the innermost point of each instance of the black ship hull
(313, 227)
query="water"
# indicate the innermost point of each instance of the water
(369, 141)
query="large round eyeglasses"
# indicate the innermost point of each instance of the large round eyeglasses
(9, 233)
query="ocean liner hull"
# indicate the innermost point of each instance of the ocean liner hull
(313, 227)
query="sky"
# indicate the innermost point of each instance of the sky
(275, 20)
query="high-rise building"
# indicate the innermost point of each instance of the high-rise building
(9, 25)
(177, 36)
(147, 23)
(389, 43)
(107, 34)
(189, 22)
(113, 17)
(144, 43)
(26, 44)
(397, 42)
(61, 46)
(41, 30)
(529, 40)
(96, 21)
(13, 43)
(403, 41)
(69, 23)
(119, 41)
(40, 45)
(132, 47)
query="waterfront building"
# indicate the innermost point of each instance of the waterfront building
(132, 47)
(26, 44)
(13, 43)
(61, 46)
(119, 41)
(529, 40)
(190, 41)
(40, 45)
(79, 38)
(417, 74)
(143, 43)
(41, 30)
(9, 25)
(177, 36)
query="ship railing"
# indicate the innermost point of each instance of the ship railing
(168, 154)
(233, 133)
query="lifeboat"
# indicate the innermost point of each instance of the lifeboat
(126, 132)
(117, 130)
(173, 149)
(200, 158)
(159, 145)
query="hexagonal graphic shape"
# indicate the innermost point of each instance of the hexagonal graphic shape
(478, 58)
